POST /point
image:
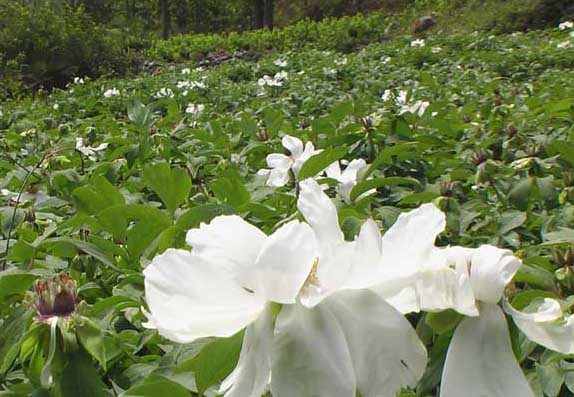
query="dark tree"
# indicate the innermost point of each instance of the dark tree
(258, 14)
(268, 10)
(165, 18)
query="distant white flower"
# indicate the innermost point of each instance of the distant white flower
(282, 63)
(89, 151)
(565, 45)
(418, 107)
(436, 50)
(111, 92)
(185, 71)
(164, 93)
(329, 72)
(280, 164)
(56, 106)
(191, 84)
(418, 43)
(341, 62)
(78, 80)
(566, 25)
(347, 179)
(194, 109)
(275, 81)
(385, 60)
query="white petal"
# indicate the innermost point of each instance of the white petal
(480, 361)
(299, 160)
(251, 376)
(190, 298)
(278, 160)
(285, 262)
(320, 212)
(278, 177)
(333, 171)
(546, 327)
(386, 351)
(310, 355)
(350, 173)
(230, 242)
(366, 270)
(491, 270)
(294, 145)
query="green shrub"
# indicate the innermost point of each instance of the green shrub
(343, 34)
(46, 46)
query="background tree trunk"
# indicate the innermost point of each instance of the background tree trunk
(268, 13)
(258, 14)
(165, 19)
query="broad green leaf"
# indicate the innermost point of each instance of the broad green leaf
(444, 321)
(15, 283)
(230, 190)
(79, 377)
(91, 337)
(203, 213)
(171, 185)
(367, 185)
(320, 161)
(157, 386)
(215, 361)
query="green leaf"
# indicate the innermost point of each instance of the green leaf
(11, 334)
(140, 115)
(215, 362)
(444, 321)
(231, 191)
(171, 185)
(401, 150)
(564, 235)
(320, 161)
(203, 213)
(15, 283)
(93, 199)
(157, 386)
(148, 221)
(510, 220)
(365, 186)
(91, 337)
(83, 246)
(79, 378)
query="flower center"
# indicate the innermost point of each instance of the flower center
(313, 278)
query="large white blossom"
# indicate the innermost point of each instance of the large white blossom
(111, 92)
(566, 25)
(331, 337)
(90, 152)
(405, 106)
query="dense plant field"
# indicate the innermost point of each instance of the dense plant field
(99, 179)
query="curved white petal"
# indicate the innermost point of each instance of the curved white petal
(251, 376)
(480, 361)
(230, 242)
(386, 351)
(310, 355)
(366, 270)
(278, 160)
(408, 245)
(333, 171)
(546, 326)
(351, 171)
(294, 145)
(191, 298)
(299, 160)
(490, 271)
(285, 261)
(320, 212)
(278, 177)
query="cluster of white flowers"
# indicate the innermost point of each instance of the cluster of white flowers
(340, 327)
(78, 80)
(190, 85)
(111, 92)
(282, 63)
(419, 107)
(341, 62)
(275, 81)
(164, 93)
(185, 71)
(418, 43)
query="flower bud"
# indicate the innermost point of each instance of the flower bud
(55, 296)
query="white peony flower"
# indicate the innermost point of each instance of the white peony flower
(194, 109)
(89, 151)
(566, 25)
(347, 179)
(418, 43)
(111, 92)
